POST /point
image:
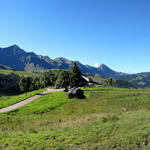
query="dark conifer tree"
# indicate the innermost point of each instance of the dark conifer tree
(76, 79)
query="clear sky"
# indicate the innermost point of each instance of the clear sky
(112, 32)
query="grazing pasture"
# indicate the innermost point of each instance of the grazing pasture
(109, 118)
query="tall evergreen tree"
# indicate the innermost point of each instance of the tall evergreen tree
(76, 79)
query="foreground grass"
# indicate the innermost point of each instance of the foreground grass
(109, 118)
(10, 100)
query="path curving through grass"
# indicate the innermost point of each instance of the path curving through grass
(26, 101)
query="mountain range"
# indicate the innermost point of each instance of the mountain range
(16, 58)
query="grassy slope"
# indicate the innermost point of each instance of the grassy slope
(21, 73)
(9, 100)
(109, 118)
(98, 78)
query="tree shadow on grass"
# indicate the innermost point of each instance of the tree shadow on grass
(6, 93)
(42, 94)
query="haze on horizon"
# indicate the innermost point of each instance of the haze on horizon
(115, 33)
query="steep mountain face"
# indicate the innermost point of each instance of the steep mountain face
(18, 59)
(11, 57)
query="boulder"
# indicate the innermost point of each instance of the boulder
(76, 93)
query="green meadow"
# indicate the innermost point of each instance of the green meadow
(10, 100)
(109, 118)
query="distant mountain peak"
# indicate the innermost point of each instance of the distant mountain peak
(104, 67)
(14, 46)
(13, 50)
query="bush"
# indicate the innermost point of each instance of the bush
(63, 80)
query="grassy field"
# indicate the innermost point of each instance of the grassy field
(109, 118)
(9, 100)
(20, 73)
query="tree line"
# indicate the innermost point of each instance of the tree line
(59, 79)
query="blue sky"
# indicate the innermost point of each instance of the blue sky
(112, 32)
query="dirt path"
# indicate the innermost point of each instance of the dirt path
(26, 101)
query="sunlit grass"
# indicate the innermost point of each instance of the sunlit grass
(109, 118)
(9, 100)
